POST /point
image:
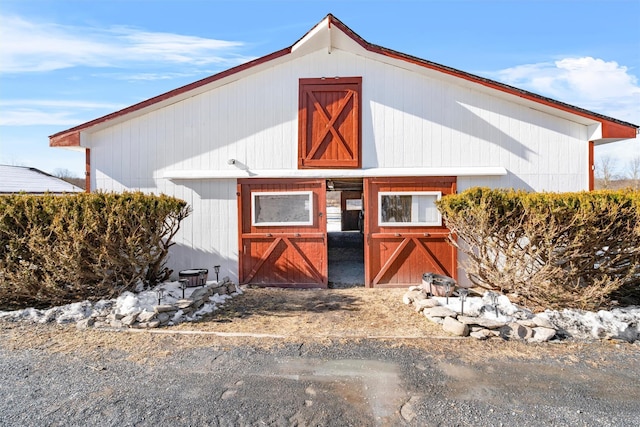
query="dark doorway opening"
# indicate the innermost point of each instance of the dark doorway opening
(344, 232)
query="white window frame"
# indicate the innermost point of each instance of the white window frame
(437, 223)
(354, 204)
(309, 195)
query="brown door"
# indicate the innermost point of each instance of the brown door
(329, 123)
(404, 235)
(283, 232)
(349, 201)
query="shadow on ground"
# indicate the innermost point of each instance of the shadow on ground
(285, 302)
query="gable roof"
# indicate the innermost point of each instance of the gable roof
(20, 179)
(323, 35)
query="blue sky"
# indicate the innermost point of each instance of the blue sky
(63, 63)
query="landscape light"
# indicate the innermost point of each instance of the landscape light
(447, 289)
(216, 268)
(183, 286)
(159, 294)
(494, 301)
(463, 292)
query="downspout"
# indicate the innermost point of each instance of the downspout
(592, 167)
(87, 170)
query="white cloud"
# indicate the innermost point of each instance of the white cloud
(38, 112)
(151, 76)
(32, 47)
(56, 103)
(28, 117)
(602, 86)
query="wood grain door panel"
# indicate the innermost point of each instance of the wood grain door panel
(283, 255)
(329, 123)
(398, 256)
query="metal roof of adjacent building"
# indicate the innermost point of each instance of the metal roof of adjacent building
(20, 179)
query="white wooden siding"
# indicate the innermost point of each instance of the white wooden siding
(409, 119)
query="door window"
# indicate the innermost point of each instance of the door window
(282, 208)
(409, 209)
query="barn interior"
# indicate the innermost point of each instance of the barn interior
(344, 230)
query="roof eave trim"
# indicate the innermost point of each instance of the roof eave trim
(69, 138)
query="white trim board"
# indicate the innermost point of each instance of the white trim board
(178, 175)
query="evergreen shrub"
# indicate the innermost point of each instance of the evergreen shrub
(61, 249)
(550, 250)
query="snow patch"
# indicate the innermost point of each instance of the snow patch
(619, 323)
(125, 304)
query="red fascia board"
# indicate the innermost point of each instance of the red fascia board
(68, 138)
(614, 128)
(617, 130)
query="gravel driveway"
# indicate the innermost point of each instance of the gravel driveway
(64, 377)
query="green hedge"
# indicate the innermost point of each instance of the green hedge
(61, 249)
(554, 250)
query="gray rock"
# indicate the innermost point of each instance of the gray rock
(200, 294)
(421, 304)
(454, 327)
(163, 318)
(231, 288)
(439, 312)
(407, 411)
(146, 316)
(516, 331)
(116, 323)
(438, 320)
(481, 321)
(482, 334)
(184, 303)
(220, 290)
(529, 323)
(86, 323)
(541, 334)
(114, 316)
(410, 296)
(542, 322)
(164, 308)
(152, 324)
(129, 319)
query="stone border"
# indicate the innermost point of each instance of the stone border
(534, 329)
(163, 314)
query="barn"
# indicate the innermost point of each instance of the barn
(259, 150)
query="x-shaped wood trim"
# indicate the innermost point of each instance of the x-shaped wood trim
(387, 265)
(306, 259)
(330, 121)
(272, 248)
(431, 256)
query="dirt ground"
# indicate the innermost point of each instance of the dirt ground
(267, 317)
(309, 357)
